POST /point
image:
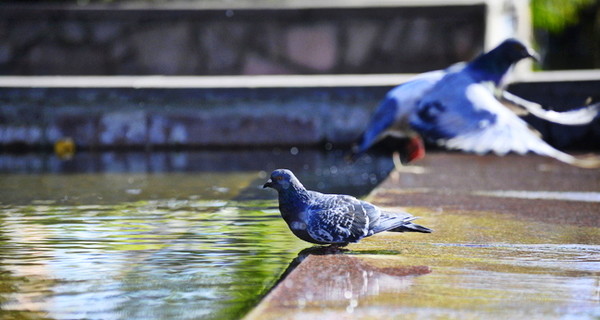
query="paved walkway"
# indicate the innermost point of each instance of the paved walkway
(515, 237)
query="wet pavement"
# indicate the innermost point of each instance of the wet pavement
(515, 237)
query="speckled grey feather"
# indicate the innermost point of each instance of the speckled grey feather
(332, 218)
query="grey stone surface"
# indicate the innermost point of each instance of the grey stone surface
(219, 46)
(83, 127)
(51, 39)
(27, 31)
(106, 31)
(256, 64)
(120, 118)
(314, 47)
(6, 52)
(54, 59)
(21, 134)
(164, 50)
(73, 32)
(361, 38)
(123, 128)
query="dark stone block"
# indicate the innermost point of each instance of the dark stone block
(107, 40)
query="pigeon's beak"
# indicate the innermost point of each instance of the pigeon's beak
(534, 55)
(268, 184)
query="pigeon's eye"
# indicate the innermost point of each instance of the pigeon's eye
(279, 178)
(519, 47)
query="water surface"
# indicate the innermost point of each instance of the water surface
(152, 236)
(160, 259)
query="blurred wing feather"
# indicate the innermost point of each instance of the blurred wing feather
(579, 116)
(507, 133)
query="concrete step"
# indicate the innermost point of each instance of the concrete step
(236, 111)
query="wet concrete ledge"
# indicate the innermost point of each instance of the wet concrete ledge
(170, 112)
(491, 248)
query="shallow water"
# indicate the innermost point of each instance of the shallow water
(126, 236)
(111, 177)
(160, 259)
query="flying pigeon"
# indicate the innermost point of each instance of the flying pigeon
(456, 108)
(333, 218)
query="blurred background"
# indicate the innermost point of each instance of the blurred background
(182, 71)
(135, 137)
(122, 37)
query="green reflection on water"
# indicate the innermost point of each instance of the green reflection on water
(112, 188)
(159, 259)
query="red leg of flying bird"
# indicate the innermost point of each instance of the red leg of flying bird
(415, 149)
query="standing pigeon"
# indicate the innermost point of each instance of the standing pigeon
(332, 218)
(456, 108)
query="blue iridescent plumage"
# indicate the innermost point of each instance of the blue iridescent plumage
(456, 108)
(332, 218)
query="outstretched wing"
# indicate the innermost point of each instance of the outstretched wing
(391, 117)
(468, 117)
(578, 116)
(340, 218)
(382, 120)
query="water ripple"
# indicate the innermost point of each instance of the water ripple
(148, 259)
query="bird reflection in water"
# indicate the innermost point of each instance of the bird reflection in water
(331, 277)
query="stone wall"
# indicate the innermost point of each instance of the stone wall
(109, 118)
(51, 39)
(129, 118)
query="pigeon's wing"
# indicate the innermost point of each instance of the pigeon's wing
(446, 112)
(391, 117)
(381, 121)
(340, 218)
(467, 116)
(578, 116)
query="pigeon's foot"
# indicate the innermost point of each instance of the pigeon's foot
(415, 149)
(397, 161)
(335, 248)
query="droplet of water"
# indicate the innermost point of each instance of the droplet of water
(347, 294)
(301, 303)
(133, 191)
(220, 189)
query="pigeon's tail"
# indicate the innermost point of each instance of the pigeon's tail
(411, 227)
(399, 222)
